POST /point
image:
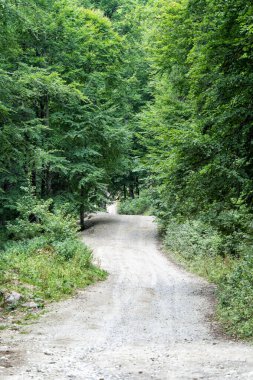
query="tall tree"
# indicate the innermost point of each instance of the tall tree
(61, 67)
(199, 125)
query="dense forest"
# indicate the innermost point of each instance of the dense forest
(146, 100)
(68, 91)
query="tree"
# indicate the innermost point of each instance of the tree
(198, 127)
(61, 69)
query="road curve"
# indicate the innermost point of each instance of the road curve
(149, 320)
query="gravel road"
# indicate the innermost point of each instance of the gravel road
(149, 320)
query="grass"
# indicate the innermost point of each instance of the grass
(40, 274)
(213, 269)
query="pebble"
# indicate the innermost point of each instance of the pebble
(30, 305)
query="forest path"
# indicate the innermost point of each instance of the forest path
(149, 320)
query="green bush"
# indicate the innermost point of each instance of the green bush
(45, 258)
(236, 298)
(136, 206)
(193, 238)
(68, 248)
(37, 217)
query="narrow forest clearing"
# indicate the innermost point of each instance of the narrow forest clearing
(149, 320)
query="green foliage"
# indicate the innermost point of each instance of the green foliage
(69, 93)
(61, 86)
(36, 219)
(45, 259)
(136, 206)
(198, 144)
(131, 96)
(236, 298)
(39, 271)
(193, 238)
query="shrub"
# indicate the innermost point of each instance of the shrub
(236, 298)
(45, 258)
(68, 248)
(193, 238)
(37, 217)
(136, 206)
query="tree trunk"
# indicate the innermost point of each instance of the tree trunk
(131, 191)
(82, 215)
(137, 189)
(124, 191)
(82, 210)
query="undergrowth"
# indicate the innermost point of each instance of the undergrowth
(136, 206)
(44, 259)
(38, 272)
(200, 248)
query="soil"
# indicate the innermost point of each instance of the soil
(149, 320)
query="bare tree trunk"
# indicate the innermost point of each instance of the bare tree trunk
(131, 191)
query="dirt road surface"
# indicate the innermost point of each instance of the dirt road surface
(148, 320)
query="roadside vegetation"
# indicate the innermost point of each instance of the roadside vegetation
(44, 259)
(140, 205)
(200, 249)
